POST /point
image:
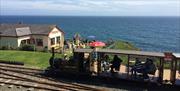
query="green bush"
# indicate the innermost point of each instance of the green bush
(7, 48)
(27, 48)
(4, 48)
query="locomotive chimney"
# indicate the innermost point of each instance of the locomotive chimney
(52, 51)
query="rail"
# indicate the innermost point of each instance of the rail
(29, 77)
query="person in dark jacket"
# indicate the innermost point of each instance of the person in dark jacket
(116, 63)
(136, 66)
(150, 68)
(147, 68)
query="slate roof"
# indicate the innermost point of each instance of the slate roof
(17, 30)
(23, 31)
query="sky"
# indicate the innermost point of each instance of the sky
(91, 7)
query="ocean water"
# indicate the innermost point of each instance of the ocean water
(158, 34)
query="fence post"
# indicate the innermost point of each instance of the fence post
(161, 69)
(128, 66)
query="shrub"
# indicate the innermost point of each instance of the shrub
(4, 48)
(27, 48)
(7, 48)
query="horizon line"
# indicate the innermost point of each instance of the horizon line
(93, 15)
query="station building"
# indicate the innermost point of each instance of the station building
(40, 35)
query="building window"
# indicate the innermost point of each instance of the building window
(23, 42)
(28, 41)
(39, 42)
(58, 40)
(32, 41)
(52, 41)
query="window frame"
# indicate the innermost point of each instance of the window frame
(52, 43)
(39, 42)
(23, 42)
(58, 40)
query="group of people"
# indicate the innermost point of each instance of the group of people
(144, 68)
(114, 65)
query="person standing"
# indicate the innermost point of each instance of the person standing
(105, 64)
(116, 63)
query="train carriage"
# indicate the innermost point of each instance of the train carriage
(88, 62)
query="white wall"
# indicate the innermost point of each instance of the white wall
(22, 38)
(53, 34)
(15, 42)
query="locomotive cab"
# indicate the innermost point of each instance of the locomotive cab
(78, 64)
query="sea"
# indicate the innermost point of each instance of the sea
(157, 34)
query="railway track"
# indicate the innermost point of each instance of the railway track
(29, 77)
(19, 67)
(29, 84)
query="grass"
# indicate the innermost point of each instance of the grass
(41, 59)
(30, 59)
(124, 45)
